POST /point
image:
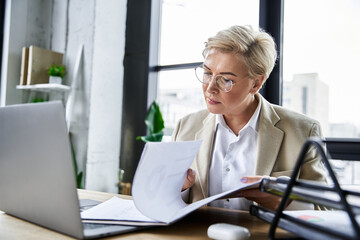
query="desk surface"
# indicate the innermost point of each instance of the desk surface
(193, 226)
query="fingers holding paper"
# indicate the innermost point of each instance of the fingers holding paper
(253, 193)
(189, 180)
(264, 199)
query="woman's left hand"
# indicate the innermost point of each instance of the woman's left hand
(190, 179)
(264, 199)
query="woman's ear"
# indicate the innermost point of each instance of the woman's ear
(258, 82)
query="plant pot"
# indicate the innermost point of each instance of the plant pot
(55, 79)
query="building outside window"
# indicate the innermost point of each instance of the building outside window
(322, 53)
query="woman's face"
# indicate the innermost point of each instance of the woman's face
(240, 98)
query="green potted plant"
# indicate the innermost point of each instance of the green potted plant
(56, 73)
(154, 124)
(78, 174)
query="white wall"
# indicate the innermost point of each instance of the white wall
(65, 26)
(26, 22)
(106, 95)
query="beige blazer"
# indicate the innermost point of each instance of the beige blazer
(281, 135)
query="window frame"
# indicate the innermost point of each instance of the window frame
(2, 22)
(271, 15)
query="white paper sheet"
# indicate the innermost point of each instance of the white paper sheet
(157, 185)
(159, 178)
(338, 220)
(116, 209)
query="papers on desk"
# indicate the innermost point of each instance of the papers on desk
(337, 220)
(117, 211)
(312, 224)
(157, 188)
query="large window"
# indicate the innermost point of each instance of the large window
(321, 57)
(185, 27)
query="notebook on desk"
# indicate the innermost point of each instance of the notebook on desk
(37, 180)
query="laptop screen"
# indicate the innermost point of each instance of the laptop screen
(37, 180)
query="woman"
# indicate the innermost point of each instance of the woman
(244, 136)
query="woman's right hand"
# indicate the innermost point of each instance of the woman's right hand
(189, 180)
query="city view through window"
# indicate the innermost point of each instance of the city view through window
(321, 52)
(321, 55)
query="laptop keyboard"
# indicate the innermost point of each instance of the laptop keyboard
(87, 203)
(88, 226)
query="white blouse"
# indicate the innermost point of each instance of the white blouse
(233, 158)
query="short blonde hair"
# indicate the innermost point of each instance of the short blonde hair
(257, 48)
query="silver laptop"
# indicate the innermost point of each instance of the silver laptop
(37, 179)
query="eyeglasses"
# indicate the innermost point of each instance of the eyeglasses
(222, 83)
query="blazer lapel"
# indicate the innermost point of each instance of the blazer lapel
(206, 133)
(269, 139)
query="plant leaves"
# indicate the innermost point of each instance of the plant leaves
(155, 137)
(154, 123)
(154, 120)
(79, 178)
(57, 70)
